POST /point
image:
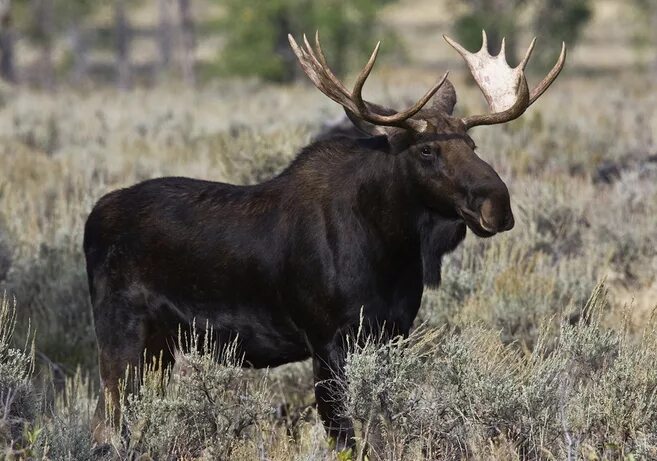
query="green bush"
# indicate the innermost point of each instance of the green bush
(257, 31)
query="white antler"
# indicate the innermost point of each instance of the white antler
(503, 85)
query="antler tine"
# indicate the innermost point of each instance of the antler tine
(457, 46)
(318, 75)
(320, 67)
(322, 60)
(358, 122)
(360, 80)
(328, 86)
(314, 64)
(304, 61)
(550, 77)
(528, 55)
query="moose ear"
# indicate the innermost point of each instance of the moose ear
(445, 99)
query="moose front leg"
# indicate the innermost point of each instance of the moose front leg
(328, 368)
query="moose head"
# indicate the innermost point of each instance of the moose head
(434, 145)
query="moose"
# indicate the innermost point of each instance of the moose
(348, 234)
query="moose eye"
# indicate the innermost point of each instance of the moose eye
(426, 151)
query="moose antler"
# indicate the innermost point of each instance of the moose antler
(504, 87)
(313, 62)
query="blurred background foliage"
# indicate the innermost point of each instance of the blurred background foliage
(554, 19)
(256, 34)
(46, 43)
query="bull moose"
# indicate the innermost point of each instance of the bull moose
(352, 227)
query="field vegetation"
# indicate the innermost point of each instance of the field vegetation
(541, 343)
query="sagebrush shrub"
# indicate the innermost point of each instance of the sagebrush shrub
(18, 401)
(209, 408)
(465, 393)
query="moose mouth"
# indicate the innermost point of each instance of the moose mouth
(476, 223)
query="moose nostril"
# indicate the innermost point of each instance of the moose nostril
(487, 216)
(494, 217)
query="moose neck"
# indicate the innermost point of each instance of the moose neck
(364, 175)
(386, 198)
(365, 179)
(383, 188)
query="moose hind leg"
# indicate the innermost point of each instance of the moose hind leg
(328, 367)
(121, 335)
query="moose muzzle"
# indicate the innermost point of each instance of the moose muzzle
(489, 212)
(496, 215)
